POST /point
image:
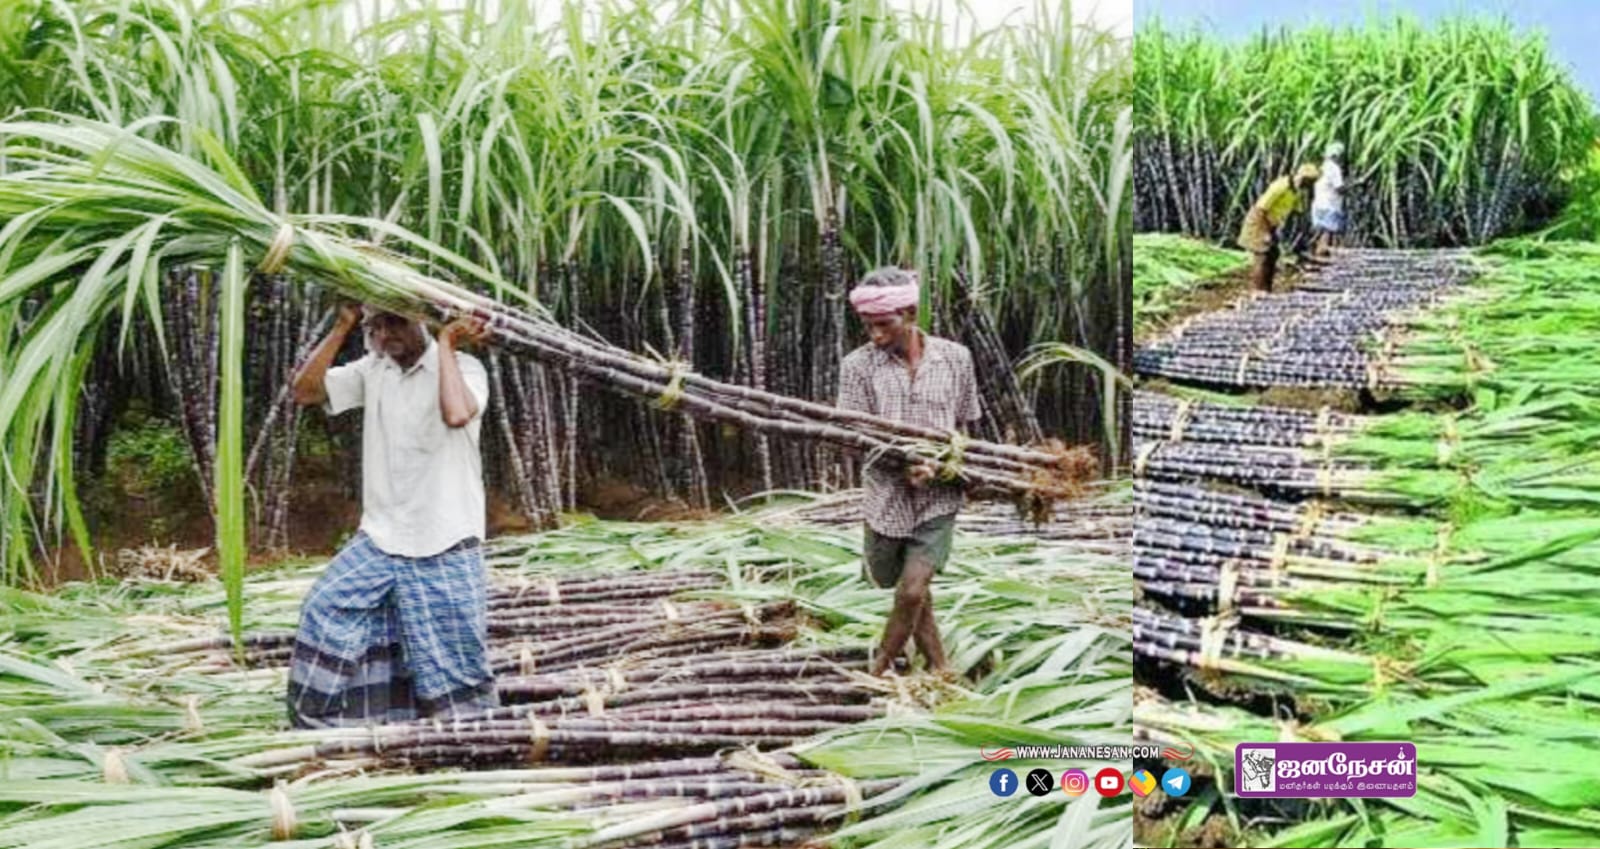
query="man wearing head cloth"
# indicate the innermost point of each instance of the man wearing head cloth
(1327, 202)
(905, 375)
(396, 627)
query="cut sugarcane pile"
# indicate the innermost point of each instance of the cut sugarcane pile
(1447, 590)
(1329, 332)
(125, 721)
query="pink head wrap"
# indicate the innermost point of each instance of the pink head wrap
(885, 300)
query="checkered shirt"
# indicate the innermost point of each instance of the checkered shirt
(944, 395)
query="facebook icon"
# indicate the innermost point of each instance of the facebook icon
(1003, 782)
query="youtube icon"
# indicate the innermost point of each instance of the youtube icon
(1108, 782)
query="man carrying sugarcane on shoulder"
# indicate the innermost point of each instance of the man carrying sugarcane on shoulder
(1263, 223)
(396, 627)
(905, 375)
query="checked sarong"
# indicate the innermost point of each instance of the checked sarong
(385, 638)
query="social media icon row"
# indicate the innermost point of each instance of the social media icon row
(1075, 782)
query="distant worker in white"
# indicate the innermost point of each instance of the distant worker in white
(1327, 202)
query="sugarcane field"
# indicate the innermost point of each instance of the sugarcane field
(565, 423)
(1364, 472)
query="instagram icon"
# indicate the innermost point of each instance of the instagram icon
(1075, 782)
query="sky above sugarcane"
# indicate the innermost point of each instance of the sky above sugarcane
(1573, 26)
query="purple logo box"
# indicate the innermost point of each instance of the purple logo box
(1325, 770)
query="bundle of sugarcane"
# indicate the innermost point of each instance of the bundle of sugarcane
(1535, 425)
(1218, 645)
(1298, 472)
(1163, 417)
(1204, 527)
(57, 169)
(1091, 518)
(654, 803)
(649, 639)
(571, 738)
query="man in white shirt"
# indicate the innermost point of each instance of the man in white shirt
(396, 627)
(1327, 202)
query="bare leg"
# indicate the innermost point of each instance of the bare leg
(910, 597)
(927, 637)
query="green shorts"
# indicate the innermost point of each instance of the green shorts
(885, 558)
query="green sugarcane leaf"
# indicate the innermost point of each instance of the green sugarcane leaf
(230, 494)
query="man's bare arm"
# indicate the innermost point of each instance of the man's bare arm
(456, 404)
(309, 388)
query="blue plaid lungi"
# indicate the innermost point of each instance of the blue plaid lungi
(386, 638)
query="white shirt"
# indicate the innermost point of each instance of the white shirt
(421, 480)
(1328, 194)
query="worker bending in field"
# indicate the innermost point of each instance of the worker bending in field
(1264, 222)
(396, 627)
(905, 375)
(1327, 203)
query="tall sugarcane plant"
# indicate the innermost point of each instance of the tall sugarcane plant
(730, 166)
(1460, 131)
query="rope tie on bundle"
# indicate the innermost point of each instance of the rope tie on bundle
(113, 769)
(1280, 557)
(594, 701)
(1141, 461)
(1180, 420)
(1309, 519)
(853, 799)
(1325, 478)
(1324, 418)
(540, 737)
(669, 610)
(673, 393)
(1214, 631)
(617, 682)
(553, 590)
(1476, 364)
(283, 818)
(1449, 441)
(765, 767)
(950, 466)
(191, 715)
(1227, 587)
(1244, 365)
(525, 660)
(1384, 672)
(1440, 553)
(761, 765)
